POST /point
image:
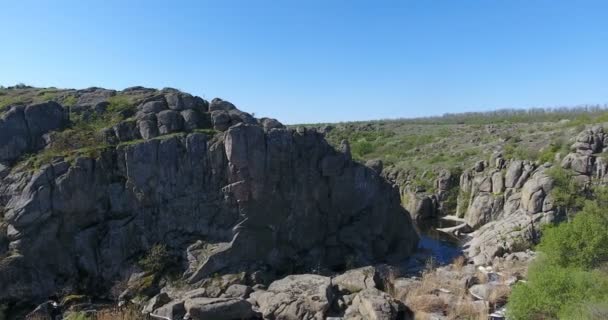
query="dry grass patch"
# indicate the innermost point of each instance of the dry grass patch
(467, 309)
(499, 295)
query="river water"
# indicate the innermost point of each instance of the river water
(442, 248)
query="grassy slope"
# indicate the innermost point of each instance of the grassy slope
(457, 141)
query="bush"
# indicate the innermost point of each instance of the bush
(567, 194)
(581, 243)
(156, 260)
(553, 292)
(570, 280)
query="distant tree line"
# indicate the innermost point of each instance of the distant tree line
(511, 115)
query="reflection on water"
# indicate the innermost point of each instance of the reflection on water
(442, 247)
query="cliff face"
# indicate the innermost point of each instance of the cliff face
(508, 201)
(254, 195)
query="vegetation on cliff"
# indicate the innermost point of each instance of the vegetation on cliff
(570, 279)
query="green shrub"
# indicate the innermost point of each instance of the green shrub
(156, 260)
(80, 315)
(570, 279)
(582, 243)
(361, 148)
(567, 193)
(553, 292)
(513, 150)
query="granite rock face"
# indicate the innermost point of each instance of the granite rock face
(509, 203)
(255, 195)
(22, 128)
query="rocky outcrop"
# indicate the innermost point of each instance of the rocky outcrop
(296, 297)
(584, 160)
(374, 304)
(22, 129)
(256, 196)
(509, 202)
(425, 203)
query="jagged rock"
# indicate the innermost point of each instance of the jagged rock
(22, 128)
(269, 124)
(237, 291)
(514, 171)
(258, 199)
(484, 208)
(507, 234)
(218, 309)
(375, 165)
(296, 297)
(534, 191)
(156, 302)
(498, 183)
(218, 104)
(237, 116)
(220, 119)
(192, 120)
(182, 101)
(93, 96)
(482, 183)
(127, 131)
(444, 180)
(374, 304)
(528, 168)
(578, 162)
(356, 280)
(422, 206)
(171, 310)
(169, 121)
(154, 106)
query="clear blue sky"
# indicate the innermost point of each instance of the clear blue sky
(319, 60)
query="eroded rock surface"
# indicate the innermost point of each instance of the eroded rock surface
(255, 196)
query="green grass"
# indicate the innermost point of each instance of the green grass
(209, 132)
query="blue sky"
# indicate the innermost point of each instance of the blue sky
(319, 60)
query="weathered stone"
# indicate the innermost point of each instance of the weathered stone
(153, 106)
(218, 104)
(421, 206)
(296, 297)
(269, 124)
(169, 121)
(192, 119)
(220, 119)
(580, 163)
(171, 310)
(237, 291)
(244, 200)
(375, 165)
(514, 171)
(498, 183)
(156, 302)
(355, 280)
(374, 304)
(218, 309)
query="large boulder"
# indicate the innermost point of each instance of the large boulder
(305, 296)
(356, 280)
(22, 128)
(514, 171)
(218, 309)
(484, 208)
(373, 304)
